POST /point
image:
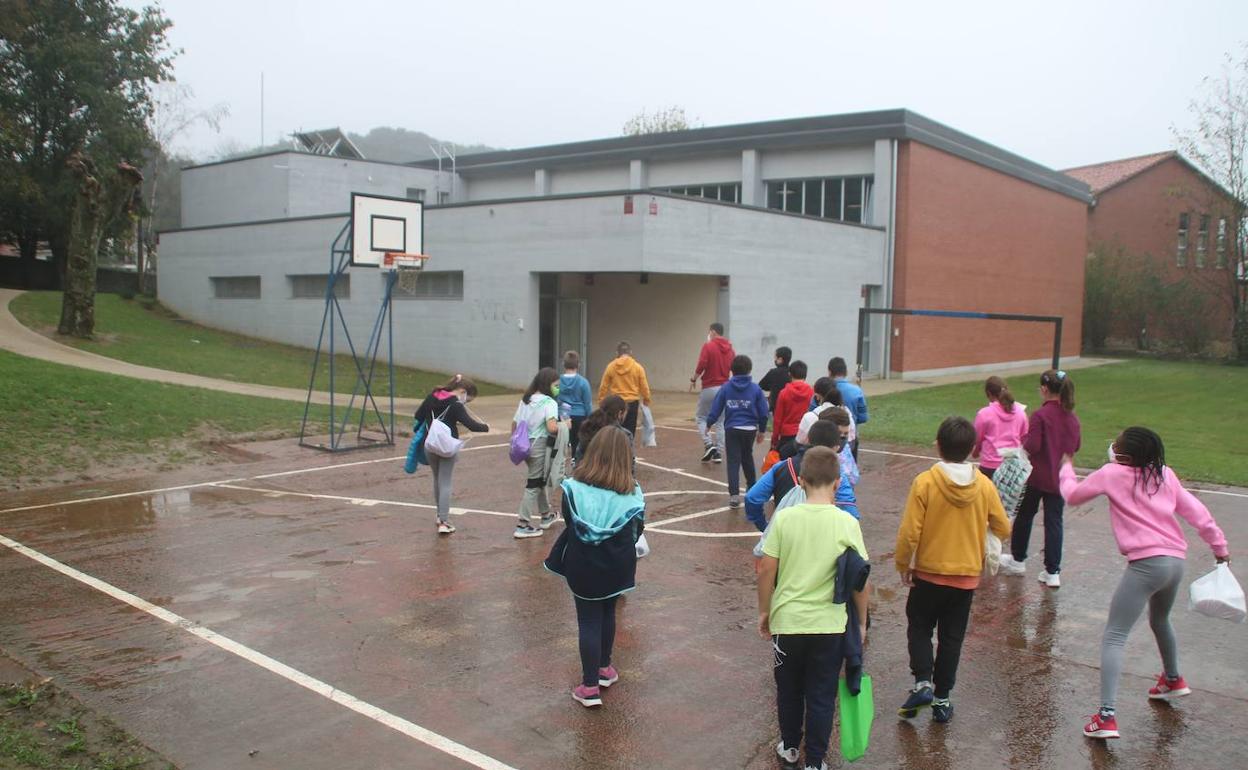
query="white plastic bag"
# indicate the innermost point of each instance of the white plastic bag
(992, 553)
(1218, 595)
(440, 441)
(643, 547)
(648, 437)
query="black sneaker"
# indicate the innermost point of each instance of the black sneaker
(942, 710)
(716, 457)
(920, 697)
(709, 453)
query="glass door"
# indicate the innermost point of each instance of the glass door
(571, 319)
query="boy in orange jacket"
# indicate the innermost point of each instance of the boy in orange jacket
(940, 555)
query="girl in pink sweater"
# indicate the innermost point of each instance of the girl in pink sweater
(1000, 425)
(1144, 498)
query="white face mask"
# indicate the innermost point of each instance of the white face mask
(709, 336)
(1113, 458)
(463, 398)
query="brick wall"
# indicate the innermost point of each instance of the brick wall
(970, 238)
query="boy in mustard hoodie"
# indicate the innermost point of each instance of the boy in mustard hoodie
(940, 555)
(626, 378)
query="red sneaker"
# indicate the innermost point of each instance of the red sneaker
(1101, 727)
(1169, 688)
(587, 696)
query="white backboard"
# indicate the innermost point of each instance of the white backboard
(380, 224)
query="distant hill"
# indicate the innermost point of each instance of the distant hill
(400, 145)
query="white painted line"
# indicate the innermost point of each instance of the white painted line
(686, 517)
(686, 533)
(349, 465)
(114, 497)
(897, 454)
(664, 492)
(362, 501)
(684, 430)
(680, 472)
(410, 729)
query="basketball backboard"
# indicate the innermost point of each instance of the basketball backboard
(380, 225)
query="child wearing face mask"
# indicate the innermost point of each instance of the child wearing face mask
(447, 404)
(1144, 498)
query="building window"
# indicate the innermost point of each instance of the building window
(314, 286)
(1202, 240)
(444, 198)
(416, 194)
(236, 287)
(845, 199)
(728, 193)
(1181, 253)
(1220, 259)
(433, 284)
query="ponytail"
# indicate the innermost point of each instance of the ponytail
(460, 381)
(1057, 382)
(998, 391)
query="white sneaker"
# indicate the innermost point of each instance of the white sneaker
(1050, 580)
(787, 756)
(445, 528)
(1011, 567)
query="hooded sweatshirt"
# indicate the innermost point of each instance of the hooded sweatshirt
(1051, 433)
(743, 404)
(715, 362)
(1145, 525)
(625, 378)
(597, 553)
(997, 429)
(793, 403)
(950, 508)
(575, 395)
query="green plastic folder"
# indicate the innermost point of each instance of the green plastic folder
(857, 714)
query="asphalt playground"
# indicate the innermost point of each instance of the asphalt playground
(297, 610)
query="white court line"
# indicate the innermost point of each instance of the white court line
(348, 465)
(658, 525)
(673, 427)
(410, 729)
(364, 501)
(686, 533)
(679, 472)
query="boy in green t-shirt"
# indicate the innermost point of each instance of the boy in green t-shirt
(796, 611)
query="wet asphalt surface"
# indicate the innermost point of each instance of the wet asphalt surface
(468, 637)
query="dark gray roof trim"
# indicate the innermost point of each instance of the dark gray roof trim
(292, 151)
(853, 128)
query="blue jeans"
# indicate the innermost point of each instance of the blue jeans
(1054, 505)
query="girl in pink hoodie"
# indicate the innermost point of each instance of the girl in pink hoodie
(1144, 498)
(1000, 425)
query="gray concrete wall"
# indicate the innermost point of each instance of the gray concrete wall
(818, 161)
(707, 169)
(519, 185)
(570, 181)
(323, 185)
(793, 280)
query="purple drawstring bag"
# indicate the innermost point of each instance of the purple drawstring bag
(520, 443)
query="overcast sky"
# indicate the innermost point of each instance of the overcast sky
(1063, 83)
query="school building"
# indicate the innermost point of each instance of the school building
(780, 230)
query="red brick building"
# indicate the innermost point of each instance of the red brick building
(1161, 207)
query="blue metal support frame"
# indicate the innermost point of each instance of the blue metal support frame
(333, 321)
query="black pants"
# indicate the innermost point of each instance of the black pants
(596, 621)
(807, 670)
(630, 417)
(947, 610)
(853, 449)
(1054, 506)
(574, 435)
(739, 444)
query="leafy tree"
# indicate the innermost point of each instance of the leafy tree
(1219, 144)
(1122, 295)
(75, 92)
(667, 119)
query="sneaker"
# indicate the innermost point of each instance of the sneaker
(734, 501)
(608, 676)
(788, 757)
(717, 457)
(709, 453)
(822, 766)
(1011, 567)
(1169, 688)
(942, 710)
(587, 696)
(445, 528)
(1050, 579)
(547, 521)
(524, 530)
(1101, 727)
(920, 697)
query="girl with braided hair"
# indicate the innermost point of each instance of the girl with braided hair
(1144, 498)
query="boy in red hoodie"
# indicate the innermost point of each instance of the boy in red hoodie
(714, 367)
(793, 403)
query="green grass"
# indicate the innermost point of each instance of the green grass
(145, 333)
(56, 419)
(1199, 410)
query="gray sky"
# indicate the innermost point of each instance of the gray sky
(1063, 83)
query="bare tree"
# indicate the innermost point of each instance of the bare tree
(1218, 142)
(666, 119)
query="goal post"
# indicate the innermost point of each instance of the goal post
(865, 313)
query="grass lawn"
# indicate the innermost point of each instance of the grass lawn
(1198, 409)
(148, 334)
(57, 420)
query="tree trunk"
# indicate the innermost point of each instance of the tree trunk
(78, 299)
(1240, 338)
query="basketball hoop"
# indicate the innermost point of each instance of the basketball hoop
(408, 267)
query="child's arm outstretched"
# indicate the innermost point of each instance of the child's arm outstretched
(1195, 512)
(756, 496)
(1079, 492)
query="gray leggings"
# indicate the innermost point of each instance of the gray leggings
(1154, 581)
(442, 468)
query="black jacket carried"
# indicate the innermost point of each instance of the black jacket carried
(852, 572)
(455, 413)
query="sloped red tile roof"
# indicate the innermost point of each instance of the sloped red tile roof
(1102, 176)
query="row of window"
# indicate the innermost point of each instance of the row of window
(843, 198)
(432, 284)
(728, 193)
(1202, 241)
(418, 194)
